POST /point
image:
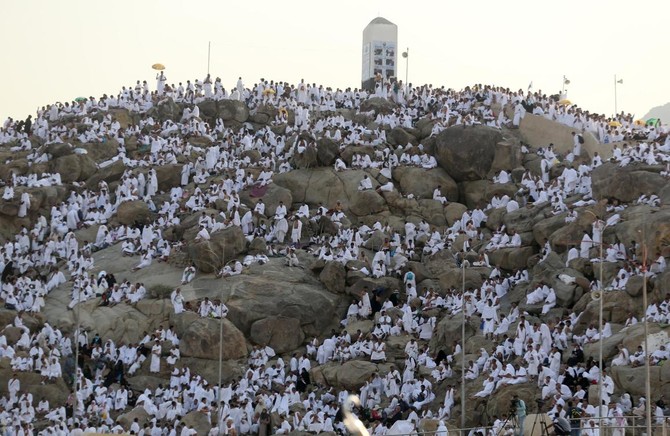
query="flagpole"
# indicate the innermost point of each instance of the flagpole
(209, 51)
(616, 109)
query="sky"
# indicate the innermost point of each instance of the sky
(57, 50)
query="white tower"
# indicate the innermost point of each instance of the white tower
(380, 43)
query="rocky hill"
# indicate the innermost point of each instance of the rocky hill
(283, 307)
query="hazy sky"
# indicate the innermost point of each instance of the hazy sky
(57, 50)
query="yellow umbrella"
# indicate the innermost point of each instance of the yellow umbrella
(269, 91)
(614, 124)
(640, 122)
(158, 67)
(565, 102)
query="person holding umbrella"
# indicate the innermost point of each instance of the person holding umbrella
(160, 78)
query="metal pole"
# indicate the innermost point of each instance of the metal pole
(209, 51)
(463, 265)
(407, 68)
(647, 382)
(616, 109)
(220, 412)
(76, 357)
(563, 87)
(600, 317)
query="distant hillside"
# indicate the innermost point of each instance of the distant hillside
(662, 112)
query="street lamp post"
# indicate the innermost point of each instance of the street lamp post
(616, 82)
(407, 67)
(76, 356)
(600, 313)
(647, 370)
(464, 265)
(220, 414)
(566, 81)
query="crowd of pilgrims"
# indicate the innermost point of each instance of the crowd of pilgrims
(47, 256)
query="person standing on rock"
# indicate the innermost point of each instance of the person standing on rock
(156, 350)
(177, 301)
(24, 205)
(160, 83)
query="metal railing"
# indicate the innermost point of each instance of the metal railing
(629, 425)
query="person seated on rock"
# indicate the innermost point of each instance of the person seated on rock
(573, 253)
(145, 260)
(538, 295)
(659, 265)
(188, 274)
(387, 187)
(502, 177)
(659, 356)
(228, 271)
(203, 234)
(205, 308)
(437, 195)
(515, 241)
(292, 258)
(637, 359)
(128, 247)
(365, 183)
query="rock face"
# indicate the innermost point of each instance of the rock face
(333, 277)
(467, 153)
(283, 334)
(421, 183)
(277, 292)
(200, 337)
(132, 212)
(166, 109)
(540, 132)
(350, 375)
(73, 167)
(624, 184)
(224, 246)
(378, 105)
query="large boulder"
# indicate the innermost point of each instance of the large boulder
(648, 227)
(109, 174)
(59, 149)
(198, 421)
(224, 246)
(333, 276)
(479, 193)
(101, 151)
(400, 136)
(168, 176)
(314, 186)
(327, 151)
(421, 182)
(275, 290)
(143, 317)
(366, 203)
(350, 375)
(139, 413)
(507, 156)
(625, 184)
(166, 109)
(281, 333)
(73, 167)
(233, 110)
(272, 197)
(131, 212)
(538, 131)
(467, 153)
(511, 259)
(200, 337)
(378, 105)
